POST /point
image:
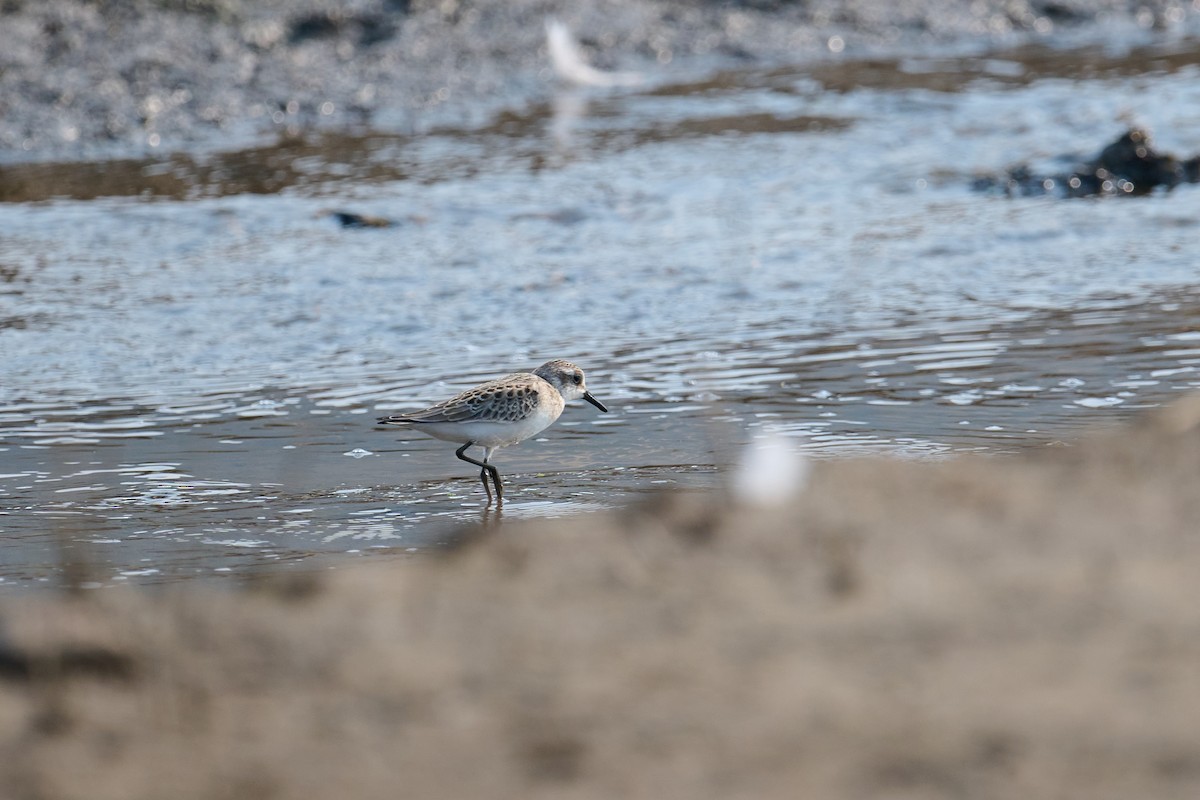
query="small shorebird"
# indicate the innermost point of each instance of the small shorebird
(500, 413)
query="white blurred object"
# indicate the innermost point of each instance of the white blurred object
(570, 65)
(772, 470)
(567, 108)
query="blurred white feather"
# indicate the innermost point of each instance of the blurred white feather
(570, 64)
(771, 471)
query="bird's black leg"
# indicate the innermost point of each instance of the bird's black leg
(487, 488)
(484, 469)
(496, 480)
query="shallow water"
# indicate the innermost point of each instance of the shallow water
(191, 371)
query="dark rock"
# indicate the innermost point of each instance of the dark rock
(349, 219)
(1132, 158)
(1128, 166)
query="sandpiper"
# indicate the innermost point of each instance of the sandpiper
(500, 413)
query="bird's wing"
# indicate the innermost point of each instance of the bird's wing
(504, 400)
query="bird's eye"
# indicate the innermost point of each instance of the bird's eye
(578, 378)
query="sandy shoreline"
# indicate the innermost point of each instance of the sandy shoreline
(984, 627)
(123, 78)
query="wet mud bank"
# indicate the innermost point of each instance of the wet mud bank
(121, 78)
(990, 627)
(539, 129)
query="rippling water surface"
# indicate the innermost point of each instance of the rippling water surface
(193, 351)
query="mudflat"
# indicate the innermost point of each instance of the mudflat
(83, 79)
(981, 626)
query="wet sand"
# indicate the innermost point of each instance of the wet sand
(981, 627)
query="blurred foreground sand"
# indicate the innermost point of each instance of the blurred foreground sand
(986, 628)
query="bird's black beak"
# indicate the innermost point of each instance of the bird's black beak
(588, 396)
